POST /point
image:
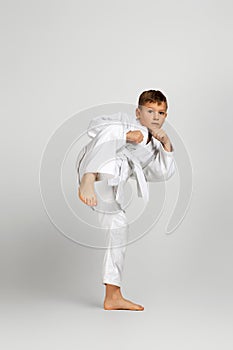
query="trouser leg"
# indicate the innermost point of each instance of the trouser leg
(99, 155)
(116, 229)
(116, 239)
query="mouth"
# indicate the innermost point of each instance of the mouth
(155, 123)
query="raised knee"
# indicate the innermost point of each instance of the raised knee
(113, 130)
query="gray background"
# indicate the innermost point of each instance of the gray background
(58, 58)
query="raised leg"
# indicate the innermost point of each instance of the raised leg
(86, 190)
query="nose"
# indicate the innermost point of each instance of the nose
(156, 116)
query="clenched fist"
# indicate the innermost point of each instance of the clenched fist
(134, 136)
(161, 135)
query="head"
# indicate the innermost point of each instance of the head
(152, 109)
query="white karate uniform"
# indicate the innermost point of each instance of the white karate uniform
(115, 161)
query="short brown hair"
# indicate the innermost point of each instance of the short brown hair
(151, 96)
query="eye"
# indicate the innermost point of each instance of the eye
(162, 113)
(150, 111)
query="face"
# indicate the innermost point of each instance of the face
(152, 115)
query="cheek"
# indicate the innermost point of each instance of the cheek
(161, 121)
(143, 119)
(146, 121)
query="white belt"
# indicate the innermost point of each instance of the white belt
(119, 180)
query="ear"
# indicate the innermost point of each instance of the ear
(137, 113)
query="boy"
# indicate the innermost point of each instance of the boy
(136, 148)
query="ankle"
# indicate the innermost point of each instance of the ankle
(113, 291)
(89, 177)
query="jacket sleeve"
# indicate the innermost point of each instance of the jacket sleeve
(162, 165)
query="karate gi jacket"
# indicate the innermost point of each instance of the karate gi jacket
(143, 162)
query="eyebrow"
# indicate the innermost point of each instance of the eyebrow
(158, 111)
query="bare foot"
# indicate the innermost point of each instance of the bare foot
(115, 301)
(121, 304)
(86, 190)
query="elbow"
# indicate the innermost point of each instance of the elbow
(158, 175)
(168, 173)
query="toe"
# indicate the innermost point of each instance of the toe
(82, 199)
(141, 307)
(93, 201)
(80, 196)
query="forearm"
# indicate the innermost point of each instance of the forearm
(167, 146)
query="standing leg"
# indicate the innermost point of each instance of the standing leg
(116, 227)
